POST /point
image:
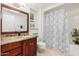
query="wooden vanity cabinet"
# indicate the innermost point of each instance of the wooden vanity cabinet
(30, 47)
(11, 49)
(26, 47)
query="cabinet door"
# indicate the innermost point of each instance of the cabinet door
(25, 48)
(33, 47)
(11, 49)
(14, 52)
(30, 47)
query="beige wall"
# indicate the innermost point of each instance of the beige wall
(73, 19)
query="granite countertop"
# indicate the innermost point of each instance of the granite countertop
(6, 40)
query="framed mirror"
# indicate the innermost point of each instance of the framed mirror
(14, 20)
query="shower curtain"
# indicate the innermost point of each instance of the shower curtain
(55, 30)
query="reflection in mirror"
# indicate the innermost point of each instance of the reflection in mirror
(14, 21)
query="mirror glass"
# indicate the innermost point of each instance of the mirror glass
(13, 21)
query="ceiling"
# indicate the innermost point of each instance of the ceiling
(36, 6)
(40, 5)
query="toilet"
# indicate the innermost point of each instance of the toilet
(41, 46)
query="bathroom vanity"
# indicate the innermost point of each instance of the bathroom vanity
(15, 21)
(20, 46)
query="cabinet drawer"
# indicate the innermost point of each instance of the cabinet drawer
(14, 52)
(34, 40)
(10, 46)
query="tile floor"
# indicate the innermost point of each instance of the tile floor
(50, 52)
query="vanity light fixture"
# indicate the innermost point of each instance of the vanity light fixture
(18, 4)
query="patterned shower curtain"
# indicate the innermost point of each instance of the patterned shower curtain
(55, 32)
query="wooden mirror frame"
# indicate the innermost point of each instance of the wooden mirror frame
(6, 6)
